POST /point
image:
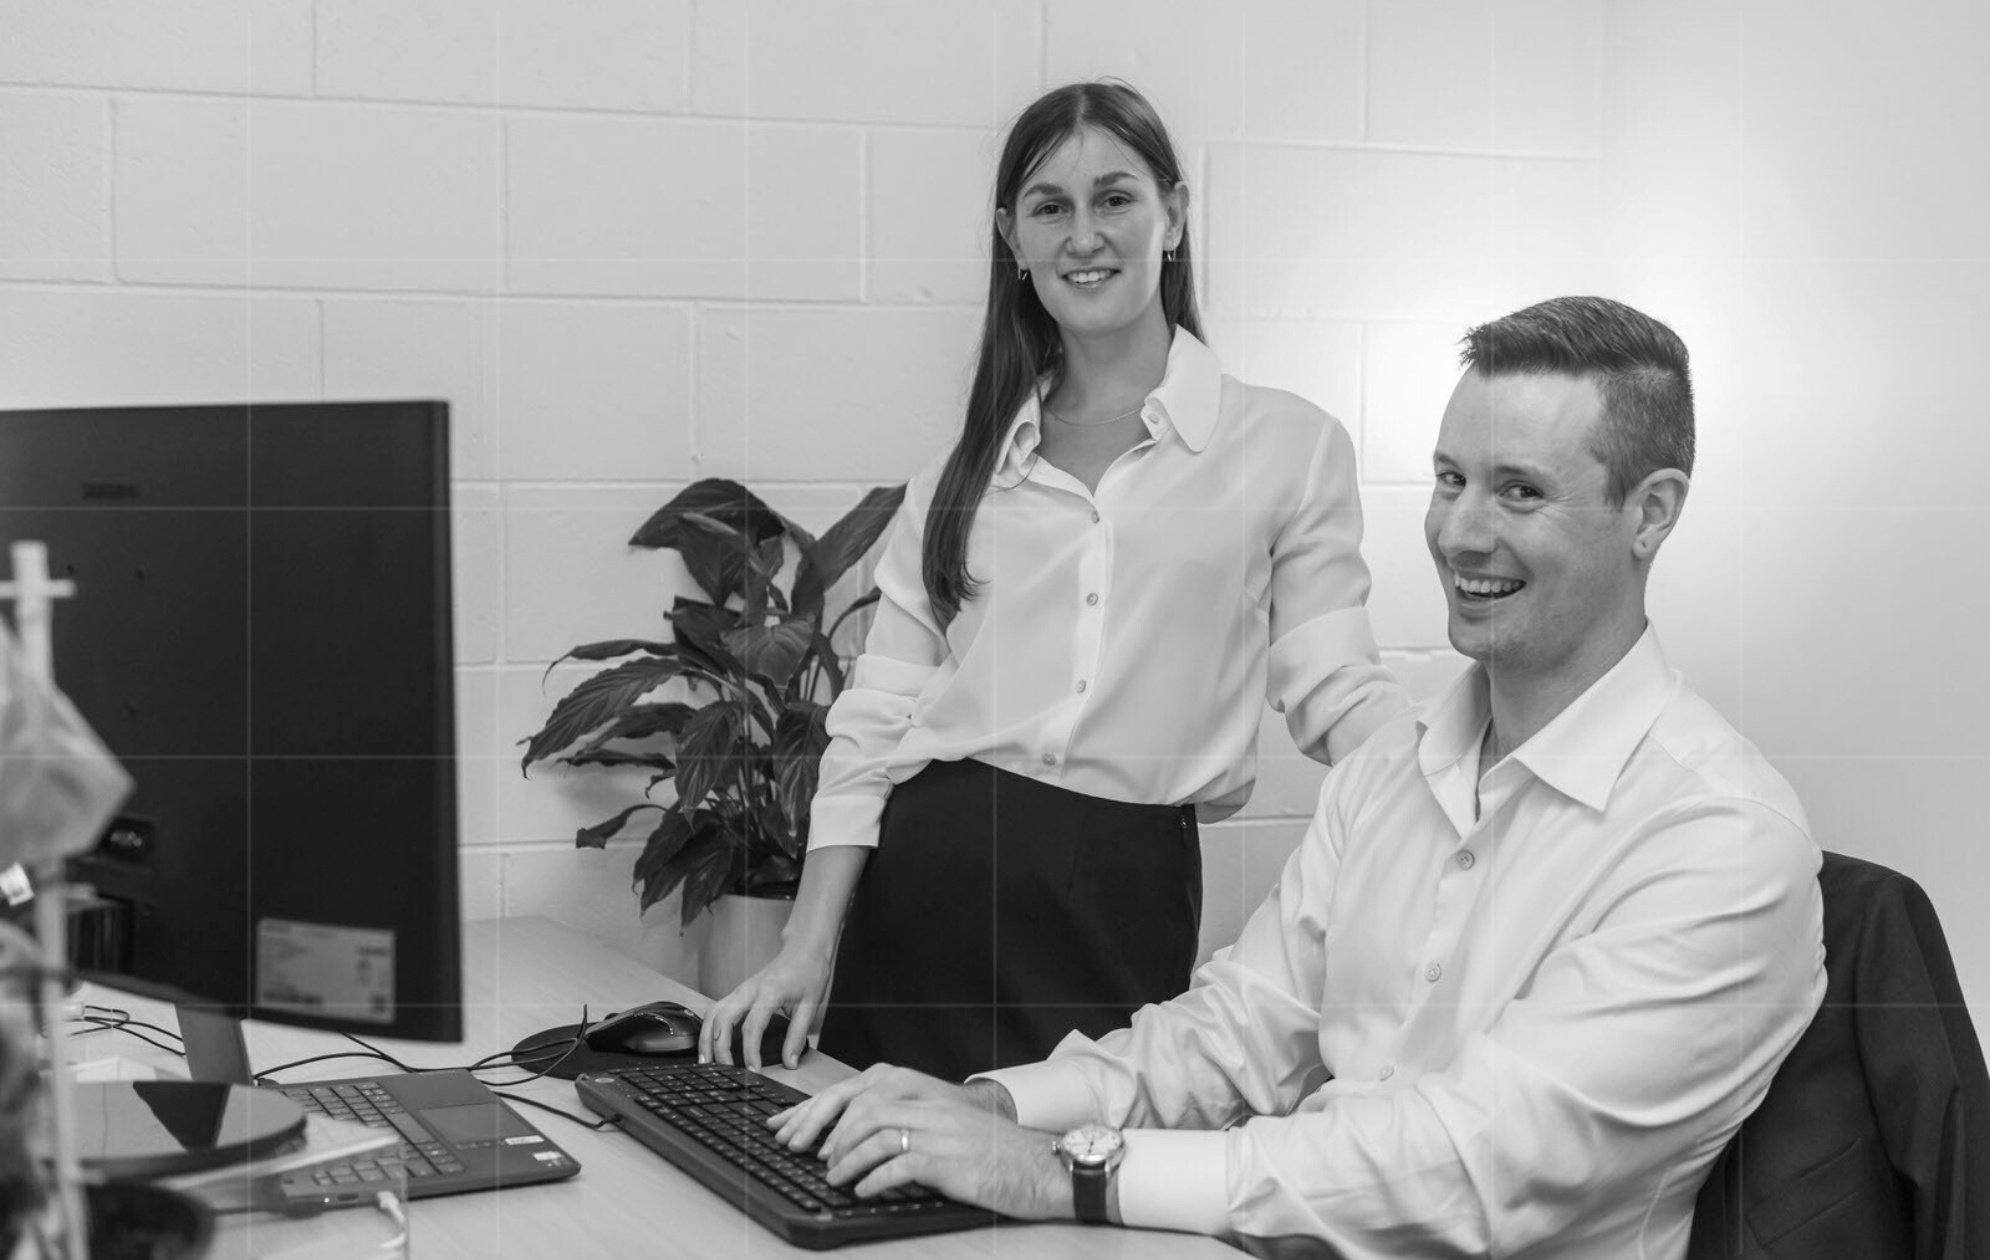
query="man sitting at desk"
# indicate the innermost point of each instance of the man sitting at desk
(1541, 949)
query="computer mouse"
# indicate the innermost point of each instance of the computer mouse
(653, 1028)
(665, 1028)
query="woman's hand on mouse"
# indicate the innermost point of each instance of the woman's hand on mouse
(795, 981)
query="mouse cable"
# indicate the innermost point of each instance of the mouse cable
(501, 1059)
(610, 1122)
(541, 1053)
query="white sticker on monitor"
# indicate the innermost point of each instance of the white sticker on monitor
(323, 969)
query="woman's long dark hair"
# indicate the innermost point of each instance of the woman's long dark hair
(1019, 339)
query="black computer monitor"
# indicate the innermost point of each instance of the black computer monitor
(261, 635)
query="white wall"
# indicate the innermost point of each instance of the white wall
(640, 241)
(1799, 183)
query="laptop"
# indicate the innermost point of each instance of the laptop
(455, 1136)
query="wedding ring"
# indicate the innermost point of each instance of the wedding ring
(904, 1141)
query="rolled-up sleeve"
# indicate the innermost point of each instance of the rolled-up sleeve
(869, 719)
(1324, 671)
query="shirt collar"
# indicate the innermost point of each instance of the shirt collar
(1583, 750)
(1186, 400)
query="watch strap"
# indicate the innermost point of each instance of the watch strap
(1088, 1192)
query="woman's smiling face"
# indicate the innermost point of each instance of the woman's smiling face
(1091, 223)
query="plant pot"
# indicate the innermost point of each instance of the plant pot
(746, 934)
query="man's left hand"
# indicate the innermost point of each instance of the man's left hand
(892, 1126)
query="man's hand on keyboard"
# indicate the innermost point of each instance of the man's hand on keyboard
(891, 1126)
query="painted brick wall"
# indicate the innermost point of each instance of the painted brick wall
(638, 241)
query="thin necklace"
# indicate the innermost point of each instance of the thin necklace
(1095, 424)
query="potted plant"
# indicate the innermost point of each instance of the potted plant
(751, 670)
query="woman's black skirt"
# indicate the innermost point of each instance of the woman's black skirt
(1000, 913)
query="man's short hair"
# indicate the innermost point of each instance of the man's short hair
(1640, 369)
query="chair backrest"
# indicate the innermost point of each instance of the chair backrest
(1875, 1125)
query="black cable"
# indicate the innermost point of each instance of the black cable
(102, 1018)
(484, 1064)
(98, 1024)
(531, 1073)
(491, 1062)
(609, 1122)
(378, 1053)
(93, 1011)
(262, 1076)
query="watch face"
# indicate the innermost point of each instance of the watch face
(1093, 1143)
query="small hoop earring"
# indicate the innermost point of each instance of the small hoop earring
(1168, 255)
(1022, 272)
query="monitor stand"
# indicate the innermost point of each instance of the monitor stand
(215, 1048)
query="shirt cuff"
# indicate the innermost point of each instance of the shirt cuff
(1048, 1095)
(1176, 1179)
(844, 820)
(1309, 653)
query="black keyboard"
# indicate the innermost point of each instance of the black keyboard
(710, 1121)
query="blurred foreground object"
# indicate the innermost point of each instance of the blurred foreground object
(58, 789)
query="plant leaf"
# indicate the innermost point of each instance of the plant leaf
(774, 875)
(798, 744)
(616, 757)
(857, 605)
(640, 721)
(710, 870)
(702, 628)
(773, 651)
(715, 553)
(842, 545)
(601, 833)
(757, 587)
(657, 870)
(609, 649)
(825, 653)
(723, 500)
(598, 700)
(706, 752)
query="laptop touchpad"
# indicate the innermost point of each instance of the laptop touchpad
(481, 1124)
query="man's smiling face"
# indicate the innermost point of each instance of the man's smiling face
(1537, 564)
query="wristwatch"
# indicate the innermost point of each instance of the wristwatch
(1092, 1152)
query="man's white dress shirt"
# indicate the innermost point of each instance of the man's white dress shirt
(1520, 1021)
(1124, 641)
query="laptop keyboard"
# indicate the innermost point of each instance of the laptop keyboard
(367, 1102)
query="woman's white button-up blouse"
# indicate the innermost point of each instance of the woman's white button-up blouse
(1123, 641)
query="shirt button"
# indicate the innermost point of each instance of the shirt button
(1093, 598)
(1433, 972)
(1095, 516)
(1081, 686)
(1388, 1070)
(1050, 759)
(1465, 860)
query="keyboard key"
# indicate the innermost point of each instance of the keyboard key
(410, 1128)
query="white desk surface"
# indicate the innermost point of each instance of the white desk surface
(523, 975)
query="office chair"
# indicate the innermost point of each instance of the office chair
(1878, 1124)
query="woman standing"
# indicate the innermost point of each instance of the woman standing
(1082, 604)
